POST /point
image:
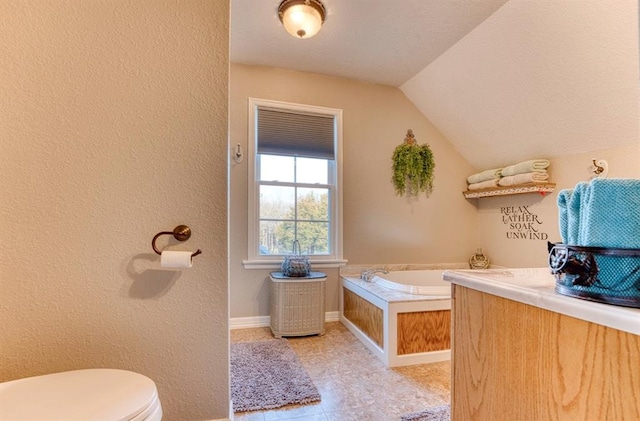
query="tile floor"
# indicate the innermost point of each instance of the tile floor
(353, 383)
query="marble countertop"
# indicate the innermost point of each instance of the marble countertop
(388, 295)
(536, 287)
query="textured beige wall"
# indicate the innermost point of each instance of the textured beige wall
(566, 172)
(114, 127)
(379, 227)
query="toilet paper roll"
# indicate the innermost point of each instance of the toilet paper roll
(176, 259)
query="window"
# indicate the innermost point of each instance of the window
(294, 183)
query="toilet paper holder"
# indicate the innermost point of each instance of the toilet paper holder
(180, 233)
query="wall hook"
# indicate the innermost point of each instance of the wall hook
(238, 154)
(600, 168)
(180, 233)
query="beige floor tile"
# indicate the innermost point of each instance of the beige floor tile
(353, 383)
(312, 412)
(249, 416)
(372, 413)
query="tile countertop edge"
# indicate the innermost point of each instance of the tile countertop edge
(536, 287)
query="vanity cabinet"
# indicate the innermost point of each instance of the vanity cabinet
(513, 359)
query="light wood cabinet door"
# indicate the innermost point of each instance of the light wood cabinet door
(512, 361)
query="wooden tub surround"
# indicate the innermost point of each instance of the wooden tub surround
(523, 352)
(424, 331)
(363, 314)
(400, 329)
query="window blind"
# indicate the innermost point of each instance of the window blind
(289, 133)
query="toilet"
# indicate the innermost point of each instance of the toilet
(81, 395)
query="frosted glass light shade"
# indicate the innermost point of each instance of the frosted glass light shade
(301, 18)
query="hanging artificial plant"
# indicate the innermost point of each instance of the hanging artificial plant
(413, 166)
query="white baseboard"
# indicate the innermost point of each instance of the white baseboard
(265, 321)
(332, 316)
(247, 322)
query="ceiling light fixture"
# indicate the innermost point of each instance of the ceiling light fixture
(302, 18)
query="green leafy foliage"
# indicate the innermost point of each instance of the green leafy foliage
(311, 229)
(413, 167)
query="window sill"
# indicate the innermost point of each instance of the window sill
(276, 264)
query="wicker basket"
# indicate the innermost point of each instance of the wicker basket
(297, 304)
(296, 264)
(605, 275)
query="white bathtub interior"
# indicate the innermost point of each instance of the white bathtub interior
(417, 282)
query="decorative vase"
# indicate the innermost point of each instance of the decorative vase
(479, 260)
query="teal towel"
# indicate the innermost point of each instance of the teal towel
(609, 213)
(569, 206)
(604, 213)
(563, 214)
(601, 213)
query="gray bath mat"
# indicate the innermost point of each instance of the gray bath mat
(267, 375)
(436, 413)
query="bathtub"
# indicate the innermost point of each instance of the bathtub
(402, 317)
(415, 282)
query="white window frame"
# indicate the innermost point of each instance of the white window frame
(257, 261)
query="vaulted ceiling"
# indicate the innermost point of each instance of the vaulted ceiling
(504, 81)
(378, 41)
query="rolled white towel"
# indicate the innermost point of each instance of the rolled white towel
(484, 176)
(530, 177)
(488, 184)
(535, 165)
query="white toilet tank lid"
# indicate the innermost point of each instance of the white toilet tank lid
(91, 394)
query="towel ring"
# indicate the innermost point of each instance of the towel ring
(180, 233)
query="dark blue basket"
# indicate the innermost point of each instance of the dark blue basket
(605, 275)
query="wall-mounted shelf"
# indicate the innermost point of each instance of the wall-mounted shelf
(542, 188)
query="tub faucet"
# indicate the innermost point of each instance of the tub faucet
(368, 274)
